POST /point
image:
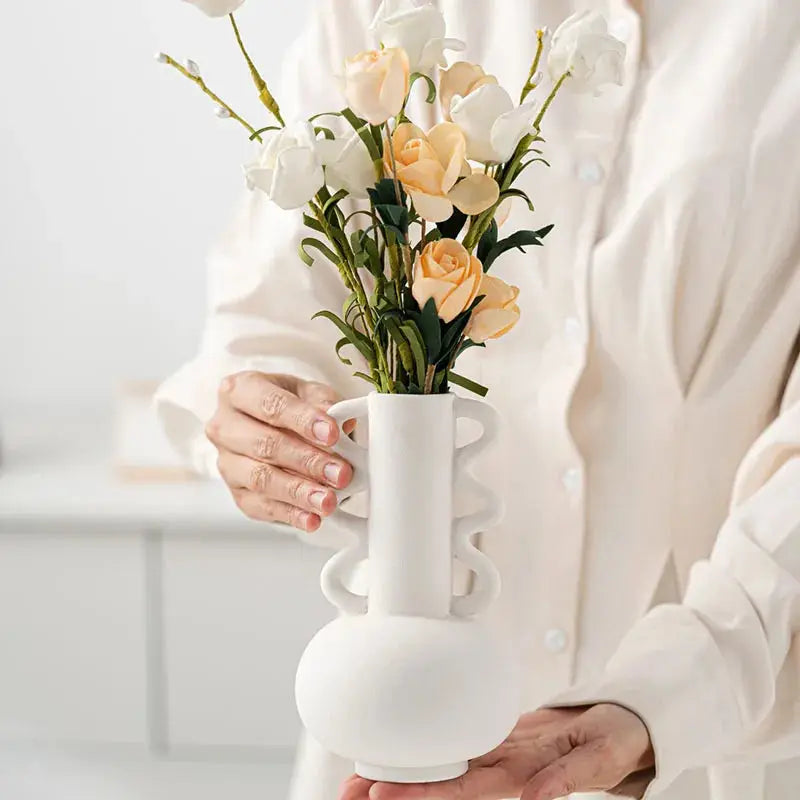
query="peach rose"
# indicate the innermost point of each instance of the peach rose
(497, 313)
(430, 168)
(377, 83)
(461, 79)
(449, 274)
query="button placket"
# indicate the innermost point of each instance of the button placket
(591, 171)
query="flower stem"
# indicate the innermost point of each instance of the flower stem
(216, 98)
(531, 84)
(406, 249)
(537, 123)
(264, 93)
(430, 374)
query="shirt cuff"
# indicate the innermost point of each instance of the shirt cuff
(676, 691)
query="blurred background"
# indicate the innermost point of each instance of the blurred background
(148, 634)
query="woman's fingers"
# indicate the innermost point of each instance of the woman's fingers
(264, 509)
(585, 769)
(355, 788)
(232, 430)
(488, 783)
(260, 397)
(269, 481)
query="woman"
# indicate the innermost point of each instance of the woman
(651, 393)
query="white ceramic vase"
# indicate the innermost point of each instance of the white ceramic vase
(409, 682)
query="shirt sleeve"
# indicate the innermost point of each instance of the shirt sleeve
(716, 677)
(261, 297)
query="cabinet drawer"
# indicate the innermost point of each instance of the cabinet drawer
(72, 630)
(237, 615)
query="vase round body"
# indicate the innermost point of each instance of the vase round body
(410, 682)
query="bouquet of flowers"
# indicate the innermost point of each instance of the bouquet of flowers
(410, 218)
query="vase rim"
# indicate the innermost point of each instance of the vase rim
(410, 398)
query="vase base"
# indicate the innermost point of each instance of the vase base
(444, 772)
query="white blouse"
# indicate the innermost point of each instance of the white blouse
(652, 443)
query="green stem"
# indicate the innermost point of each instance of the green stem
(406, 250)
(264, 93)
(537, 123)
(352, 281)
(530, 84)
(430, 374)
(215, 97)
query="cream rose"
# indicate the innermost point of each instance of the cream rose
(417, 29)
(430, 166)
(287, 169)
(492, 125)
(446, 272)
(583, 47)
(376, 83)
(497, 313)
(216, 8)
(461, 79)
(348, 165)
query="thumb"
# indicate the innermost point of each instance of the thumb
(584, 769)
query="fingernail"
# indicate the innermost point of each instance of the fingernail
(311, 522)
(333, 473)
(317, 499)
(322, 431)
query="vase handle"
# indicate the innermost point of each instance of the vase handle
(487, 578)
(341, 565)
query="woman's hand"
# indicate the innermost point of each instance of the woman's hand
(550, 754)
(272, 432)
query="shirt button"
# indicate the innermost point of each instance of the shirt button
(555, 640)
(573, 330)
(572, 480)
(591, 171)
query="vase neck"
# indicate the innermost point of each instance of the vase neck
(411, 446)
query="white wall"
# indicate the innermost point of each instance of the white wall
(115, 178)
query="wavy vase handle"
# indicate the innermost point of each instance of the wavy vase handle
(343, 563)
(487, 579)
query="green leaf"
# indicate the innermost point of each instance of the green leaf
(451, 227)
(326, 132)
(403, 347)
(431, 329)
(517, 193)
(316, 244)
(466, 383)
(455, 330)
(364, 131)
(343, 342)
(384, 193)
(313, 223)
(468, 343)
(488, 241)
(340, 195)
(433, 236)
(518, 240)
(417, 345)
(431, 85)
(367, 378)
(256, 134)
(357, 339)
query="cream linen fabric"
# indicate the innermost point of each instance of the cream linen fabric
(651, 420)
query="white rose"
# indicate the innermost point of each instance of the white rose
(287, 169)
(417, 29)
(583, 47)
(216, 8)
(491, 123)
(348, 165)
